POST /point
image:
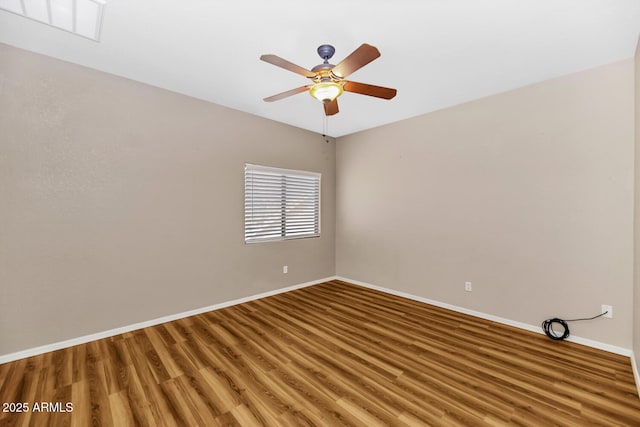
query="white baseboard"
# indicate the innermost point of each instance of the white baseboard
(106, 334)
(538, 329)
(636, 373)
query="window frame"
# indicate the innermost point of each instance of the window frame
(291, 181)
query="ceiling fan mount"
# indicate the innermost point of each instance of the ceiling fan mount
(326, 51)
(329, 80)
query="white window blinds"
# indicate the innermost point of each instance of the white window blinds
(280, 204)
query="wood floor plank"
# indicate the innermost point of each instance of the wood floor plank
(333, 354)
(120, 406)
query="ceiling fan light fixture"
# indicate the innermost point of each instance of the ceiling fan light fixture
(326, 91)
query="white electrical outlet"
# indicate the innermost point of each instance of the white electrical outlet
(467, 286)
(285, 269)
(609, 310)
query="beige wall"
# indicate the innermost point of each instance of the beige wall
(527, 194)
(636, 294)
(121, 203)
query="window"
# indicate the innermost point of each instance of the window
(280, 204)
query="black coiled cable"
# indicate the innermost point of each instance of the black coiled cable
(547, 326)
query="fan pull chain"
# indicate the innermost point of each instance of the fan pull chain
(325, 127)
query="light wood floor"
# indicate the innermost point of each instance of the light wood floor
(327, 355)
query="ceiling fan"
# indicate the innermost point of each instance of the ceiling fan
(329, 80)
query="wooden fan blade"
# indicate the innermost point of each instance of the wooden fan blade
(287, 93)
(331, 108)
(358, 59)
(371, 90)
(283, 63)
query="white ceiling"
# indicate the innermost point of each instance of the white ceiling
(437, 53)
